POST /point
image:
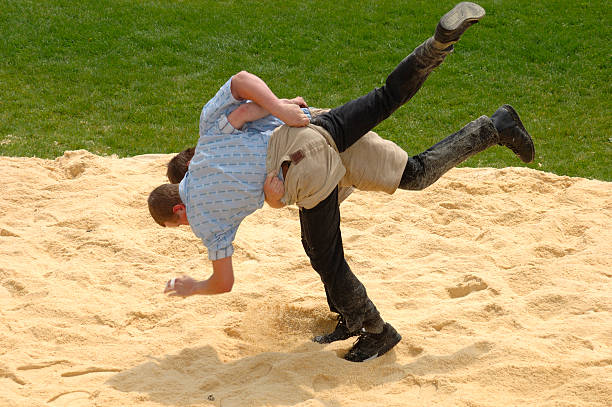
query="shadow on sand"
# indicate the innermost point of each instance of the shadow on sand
(198, 376)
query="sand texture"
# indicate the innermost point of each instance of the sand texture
(499, 281)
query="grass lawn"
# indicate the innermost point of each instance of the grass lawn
(130, 77)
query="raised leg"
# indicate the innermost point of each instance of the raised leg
(347, 123)
(424, 169)
(504, 127)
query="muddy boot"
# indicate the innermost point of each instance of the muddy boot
(339, 334)
(424, 169)
(454, 23)
(370, 346)
(512, 133)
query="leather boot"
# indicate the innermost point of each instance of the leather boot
(454, 23)
(424, 169)
(512, 133)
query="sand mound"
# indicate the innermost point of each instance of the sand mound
(498, 280)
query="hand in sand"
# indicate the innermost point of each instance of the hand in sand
(180, 287)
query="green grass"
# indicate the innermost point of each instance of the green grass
(130, 77)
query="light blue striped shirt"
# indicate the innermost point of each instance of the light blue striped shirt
(225, 179)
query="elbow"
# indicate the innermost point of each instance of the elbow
(225, 286)
(239, 83)
(222, 279)
(241, 77)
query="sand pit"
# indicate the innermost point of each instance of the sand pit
(500, 282)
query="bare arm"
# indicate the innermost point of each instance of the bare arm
(247, 86)
(248, 112)
(221, 281)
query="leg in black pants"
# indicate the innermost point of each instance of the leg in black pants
(321, 235)
(320, 225)
(322, 241)
(349, 122)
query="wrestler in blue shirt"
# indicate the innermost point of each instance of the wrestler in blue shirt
(235, 190)
(226, 175)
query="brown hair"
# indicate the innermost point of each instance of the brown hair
(161, 201)
(177, 167)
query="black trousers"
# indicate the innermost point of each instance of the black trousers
(321, 236)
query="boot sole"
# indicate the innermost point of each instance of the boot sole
(463, 14)
(517, 119)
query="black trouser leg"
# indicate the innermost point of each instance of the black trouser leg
(330, 303)
(322, 242)
(424, 169)
(347, 123)
(321, 225)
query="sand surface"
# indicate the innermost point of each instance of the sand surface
(499, 281)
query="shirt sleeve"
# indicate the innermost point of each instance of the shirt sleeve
(220, 246)
(213, 118)
(221, 254)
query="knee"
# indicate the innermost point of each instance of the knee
(413, 177)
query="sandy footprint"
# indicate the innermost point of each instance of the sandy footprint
(469, 285)
(549, 251)
(15, 287)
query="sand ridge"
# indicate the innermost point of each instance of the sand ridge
(499, 281)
